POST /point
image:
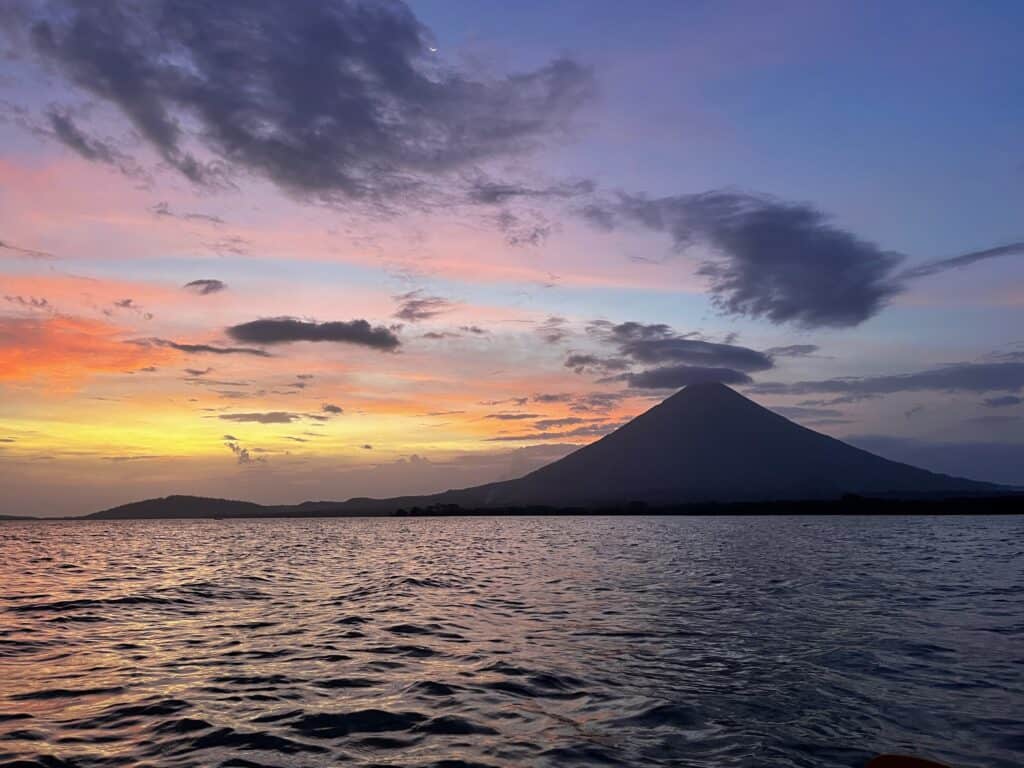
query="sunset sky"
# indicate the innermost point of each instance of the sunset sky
(281, 252)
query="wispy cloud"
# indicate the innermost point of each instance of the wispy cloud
(200, 349)
(206, 286)
(417, 305)
(164, 209)
(270, 417)
(959, 377)
(963, 260)
(28, 252)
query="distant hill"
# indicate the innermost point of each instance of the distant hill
(182, 506)
(704, 444)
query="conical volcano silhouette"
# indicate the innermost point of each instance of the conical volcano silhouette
(706, 443)
(709, 443)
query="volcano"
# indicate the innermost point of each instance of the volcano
(709, 443)
(706, 443)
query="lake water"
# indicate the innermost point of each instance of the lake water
(455, 642)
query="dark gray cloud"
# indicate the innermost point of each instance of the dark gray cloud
(216, 383)
(71, 135)
(676, 376)
(1005, 401)
(1013, 354)
(566, 421)
(30, 302)
(331, 408)
(269, 417)
(596, 401)
(513, 416)
(784, 262)
(518, 401)
(600, 215)
(590, 430)
(827, 422)
(552, 397)
(130, 305)
(619, 333)
(959, 377)
(792, 350)
(801, 413)
(587, 363)
(589, 402)
(676, 356)
(242, 454)
(963, 260)
(28, 252)
(385, 114)
(841, 400)
(492, 192)
(777, 260)
(164, 209)
(201, 348)
(694, 352)
(196, 372)
(206, 286)
(476, 330)
(912, 412)
(281, 330)
(416, 305)
(524, 227)
(553, 329)
(231, 245)
(68, 133)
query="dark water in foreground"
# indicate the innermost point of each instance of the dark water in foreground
(512, 642)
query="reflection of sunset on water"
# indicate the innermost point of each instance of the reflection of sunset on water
(500, 641)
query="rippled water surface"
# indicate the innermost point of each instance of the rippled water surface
(512, 641)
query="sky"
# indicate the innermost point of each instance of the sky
(274, 252)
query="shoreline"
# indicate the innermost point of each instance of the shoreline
(1002, 504)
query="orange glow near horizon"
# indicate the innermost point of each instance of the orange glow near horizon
(60, 351)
